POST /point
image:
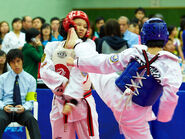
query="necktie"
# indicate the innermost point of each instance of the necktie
(16, 92)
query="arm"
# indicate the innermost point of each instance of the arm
(74, 90)
(179, 49)
(1, 94)
(75, 87)
(36, 53)
(47, 71)
(101, 63)
(169, 99)
(180, 52)
(28, 105)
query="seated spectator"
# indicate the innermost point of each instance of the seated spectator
(176, 42)
(15, 38)
(98, 40)
(55, 23)
(26, 23)
(100, 21)
(3, 65)
(182, 34)
(139, 15)
(91, 31)
(15, 87)
(37, 23)
(134, 27)
(169, 46)
(112, 42)
(102, 32)
(130, 37)
(46, 35)
(32, 52)
(4, 29)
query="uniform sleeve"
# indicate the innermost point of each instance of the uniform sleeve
(1, 94)
(85, 49)
(102, 63)
(51, 78)
(28, 105)
(36, 54)
(75, 87)
(169, 99)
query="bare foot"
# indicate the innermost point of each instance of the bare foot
(71, 39)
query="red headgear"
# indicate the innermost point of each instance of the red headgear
(68, 21)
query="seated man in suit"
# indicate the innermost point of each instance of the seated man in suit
(16, 86)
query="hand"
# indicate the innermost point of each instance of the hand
(7, 108)
(20, 48)
(38, 43)
(60, 90)
(70, 61)
(20, 109)
(67, 109)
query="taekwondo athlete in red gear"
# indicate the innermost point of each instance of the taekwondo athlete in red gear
(81, 115)
(148, 72)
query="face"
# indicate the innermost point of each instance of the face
(123, 25)
(99, 24)
(81, 26)
(16, 65)
(46, 31)
(169, 46)
(174, 32)
(2, 59)
(4, 28)
(139, 15)
(37, 24)
(27, 23)
(134, 29)
(17, 26)
(55, 25)
(137, 29)
(131, 28)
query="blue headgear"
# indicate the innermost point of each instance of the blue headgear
(154, 29)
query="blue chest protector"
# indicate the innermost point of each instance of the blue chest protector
(148, 92)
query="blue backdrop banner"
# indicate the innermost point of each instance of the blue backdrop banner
(108, 126)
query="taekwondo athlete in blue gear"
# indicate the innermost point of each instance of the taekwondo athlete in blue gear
(148, 72)
(147, 88)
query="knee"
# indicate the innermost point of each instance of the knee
(3, 118)
(29, 116)
(3, 122)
